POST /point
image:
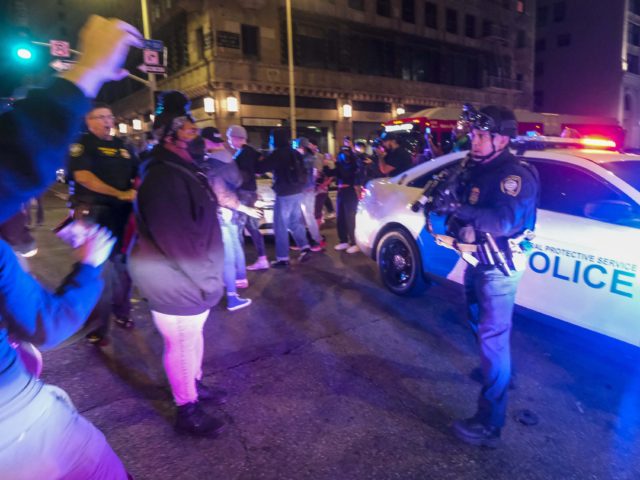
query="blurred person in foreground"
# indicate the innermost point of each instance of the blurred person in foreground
(303, 145)
(43, 435)
(177, 258)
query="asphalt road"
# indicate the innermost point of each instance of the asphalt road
(332, 377)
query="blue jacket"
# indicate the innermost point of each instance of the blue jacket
(34, 139)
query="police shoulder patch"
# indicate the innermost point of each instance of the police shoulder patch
(76, 149)
(511, 185)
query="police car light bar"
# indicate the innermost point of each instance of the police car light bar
(406, 127)
(542, 142)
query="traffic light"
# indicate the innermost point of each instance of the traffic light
(21, 48)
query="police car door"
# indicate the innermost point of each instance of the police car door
(584, 266)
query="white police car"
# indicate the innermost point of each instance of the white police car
(584, 268)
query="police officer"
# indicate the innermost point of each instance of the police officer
(497, 203)
(101, 171)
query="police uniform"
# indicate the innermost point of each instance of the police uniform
(498, 197)
(114, 164)
(117, 166)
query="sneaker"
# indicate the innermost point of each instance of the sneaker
(242, 283)
(191, 419)
(317, 248)
(280, 263)
(474, 432)
(294, 247)
(305, 253)
(341, 246)
(330, 216)
(209, 394)
(261, 264)
(234, 302)
(353, 249)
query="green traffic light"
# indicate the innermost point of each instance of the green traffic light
(24, 53)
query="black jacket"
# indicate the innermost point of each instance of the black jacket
(500, 197)
(177, 258)
(289, 174)
(247, 160)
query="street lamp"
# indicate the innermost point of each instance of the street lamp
(232, 104)
(347, 111)
(400, 111)
(123, 128)
(137, 124)
(209, 105)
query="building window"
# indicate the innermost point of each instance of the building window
(632, 64)
(200, 44)
(487, 28)
(559, 11)
(357, 4)
(541, 45)
(521, 39)
(451, 22)
(634, 34)
(250, 41)
(564, 40)
(538, 99)
(520, 7)
(542, 16)
(409, 11)
(470, 26)
(383, 8)
(430, 15)
(539, 69)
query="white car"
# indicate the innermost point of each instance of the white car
(585, 264)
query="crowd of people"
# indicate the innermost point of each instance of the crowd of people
(170, 222)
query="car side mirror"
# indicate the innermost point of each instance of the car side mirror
(609, 211)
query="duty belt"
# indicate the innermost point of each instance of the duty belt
(488, 253)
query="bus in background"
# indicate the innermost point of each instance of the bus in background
(440, 122)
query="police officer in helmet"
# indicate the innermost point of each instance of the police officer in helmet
(496, 208)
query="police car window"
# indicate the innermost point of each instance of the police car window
(422, 180)
(568, 189)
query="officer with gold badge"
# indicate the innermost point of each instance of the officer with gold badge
(496, 210)
(101, 174)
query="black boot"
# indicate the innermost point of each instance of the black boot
(474, 432)
(210, 394)
(191, 419)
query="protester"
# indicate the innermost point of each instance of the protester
(247, 158)
(176, 260)
(225, 178)
(43, 435)
(303, 145)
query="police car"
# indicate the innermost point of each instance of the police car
(584, 268)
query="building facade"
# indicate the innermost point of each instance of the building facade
(378, 57)
(587, 60)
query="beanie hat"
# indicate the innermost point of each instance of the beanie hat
(237, 131)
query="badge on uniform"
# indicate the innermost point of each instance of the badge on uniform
(511, 185)
(474, 195)
(76, 149)
(124, 153)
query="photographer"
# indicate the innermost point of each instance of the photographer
(43, 435)
(394, 159)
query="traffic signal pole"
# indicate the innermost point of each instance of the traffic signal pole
(146, 30)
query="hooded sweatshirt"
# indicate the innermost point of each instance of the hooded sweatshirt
(287, 165)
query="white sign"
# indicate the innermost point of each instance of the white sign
(151, 68)
(60, 65)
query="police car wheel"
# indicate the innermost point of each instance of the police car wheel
(399, 263)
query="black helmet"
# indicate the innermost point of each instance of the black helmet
(496, 119)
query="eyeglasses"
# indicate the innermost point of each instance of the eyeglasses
(102, 117)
